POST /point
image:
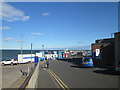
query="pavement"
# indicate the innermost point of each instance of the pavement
(10, 74)
(64, 74)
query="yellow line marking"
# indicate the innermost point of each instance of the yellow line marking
(57, 80)
(61, 83)
(44, 68)
(53, 79)
(60, 80)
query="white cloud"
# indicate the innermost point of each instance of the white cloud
(19, 40)
(8, 39)
(25, 18)
(5, 28)
(46, 14)
(10, 13)
(37, 33)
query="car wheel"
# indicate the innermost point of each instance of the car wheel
(2, 64)
(11, 64)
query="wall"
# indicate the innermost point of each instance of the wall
(117, 46)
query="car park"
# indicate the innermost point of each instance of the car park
(87, 62)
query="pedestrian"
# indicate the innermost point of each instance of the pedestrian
(47, 63)
(43, 64)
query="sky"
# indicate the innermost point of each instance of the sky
(57, 25)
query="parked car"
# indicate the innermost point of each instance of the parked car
(9, 62)
(87, 62)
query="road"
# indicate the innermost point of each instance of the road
(12, 73)
(74, 76)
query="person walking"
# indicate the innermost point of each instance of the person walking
(47, 63)
(43, 64)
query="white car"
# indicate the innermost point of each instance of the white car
(9, 62)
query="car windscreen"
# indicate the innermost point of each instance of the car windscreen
(15, 60)
(86, 59)
(7, 60)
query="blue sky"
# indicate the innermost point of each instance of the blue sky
(73, 25)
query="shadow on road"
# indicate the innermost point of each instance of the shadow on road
(75, 61)
(79, 66)
(107, 72)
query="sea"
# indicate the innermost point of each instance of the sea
(9, 54)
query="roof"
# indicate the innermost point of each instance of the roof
(107, 40)
(117, 33)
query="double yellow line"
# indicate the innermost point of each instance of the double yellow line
(58, 80)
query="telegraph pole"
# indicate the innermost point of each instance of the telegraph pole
(22, 46)
(42, 47)
(31, 52)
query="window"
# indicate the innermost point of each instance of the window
(87, 59)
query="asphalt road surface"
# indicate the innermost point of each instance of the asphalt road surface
(74, 76)
(12, 73)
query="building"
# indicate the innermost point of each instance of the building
(106, 52)
(117, 50)
(103, 52)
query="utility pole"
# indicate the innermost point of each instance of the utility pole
(31, 52)
(42, 47)
(22, 46)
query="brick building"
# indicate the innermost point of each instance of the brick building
(103, 52)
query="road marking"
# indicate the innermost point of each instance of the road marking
(59, 81)
(56, 80)
(58, 86)
(44, 68)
